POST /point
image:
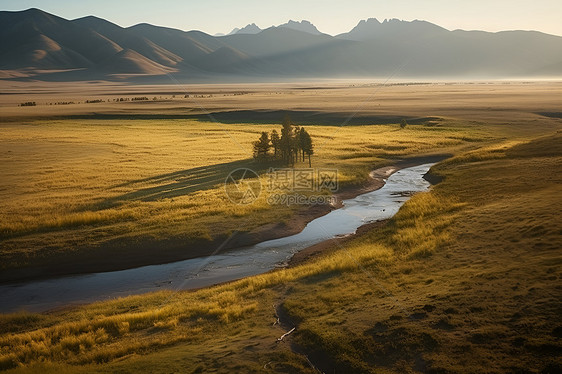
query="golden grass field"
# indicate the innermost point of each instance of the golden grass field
(79, 191)
(465, 278)
(78, 185)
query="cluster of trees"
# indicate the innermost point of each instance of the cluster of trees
(293, 144)
(29, 103)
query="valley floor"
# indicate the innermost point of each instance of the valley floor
(465, 278)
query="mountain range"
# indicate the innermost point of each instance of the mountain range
(252, 28)
(39, 45)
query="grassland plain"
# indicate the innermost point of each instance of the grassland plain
(111, 185)
(465, 278)
(76, 193)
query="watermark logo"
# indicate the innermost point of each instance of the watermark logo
(242, 186)
(300, 199)
(292, 186)
(303, 180)
(285, 186)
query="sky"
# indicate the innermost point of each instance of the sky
(330, 16)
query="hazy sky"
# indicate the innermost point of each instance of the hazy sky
(330, 16)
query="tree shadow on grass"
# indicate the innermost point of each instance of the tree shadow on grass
(183, 182)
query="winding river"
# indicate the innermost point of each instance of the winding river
(39, 296)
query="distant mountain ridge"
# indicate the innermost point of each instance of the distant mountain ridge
(37, 43)
(373, 29)
(252, 28)
(304, 26)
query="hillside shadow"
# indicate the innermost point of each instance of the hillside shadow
(300, 117)
(182, 182)
(303, 117)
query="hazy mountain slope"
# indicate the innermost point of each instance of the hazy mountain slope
(33, 38)
(188, 45)
(223, 60)
(129, 40)
(520, 52)
(274, 41)
(129, 61)
(427, 49)
(38, 40)
(320, 59)
(447, 54)
(40, 51)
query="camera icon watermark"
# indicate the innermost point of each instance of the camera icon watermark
(284, 186)
(242, 186)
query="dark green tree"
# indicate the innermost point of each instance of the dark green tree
(276, 143)
(261, 146)
(292, 146)
(403, 124)
(286, 141)
(296, 143)
(307, 146)
(302, 140)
